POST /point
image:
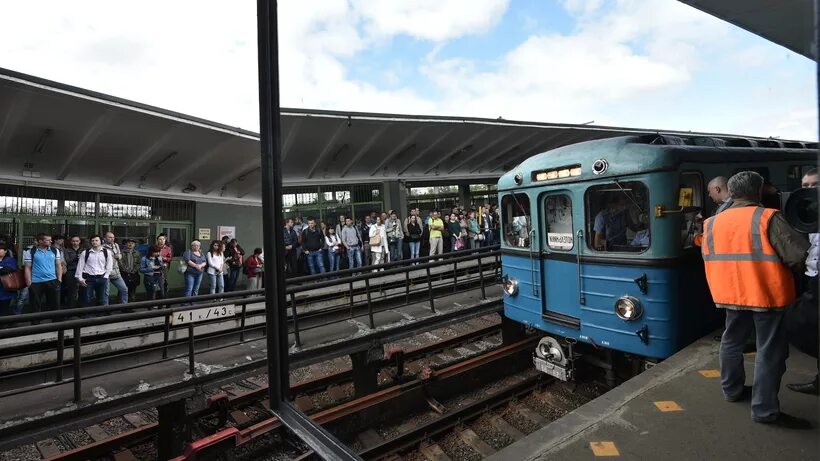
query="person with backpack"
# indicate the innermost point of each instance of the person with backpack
(235, 257)
(44, 274)
(152, 266)
(8, 265)
(93, 271)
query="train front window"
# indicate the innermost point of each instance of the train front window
(558, 214)
(617, 217)
(515, 219)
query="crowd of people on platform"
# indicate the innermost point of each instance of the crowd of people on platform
(313, 247)
(59, 272)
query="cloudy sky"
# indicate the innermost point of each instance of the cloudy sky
(635, 63)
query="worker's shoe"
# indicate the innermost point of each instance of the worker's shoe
(805, 388)
(745, 394)
(787, 422)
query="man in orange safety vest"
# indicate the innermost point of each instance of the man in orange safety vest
(749, 252)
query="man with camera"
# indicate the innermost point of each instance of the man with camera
(801, 321)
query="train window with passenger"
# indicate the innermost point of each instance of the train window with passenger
(690, 201)
(516, 219)
(617, 219)
(558, 213)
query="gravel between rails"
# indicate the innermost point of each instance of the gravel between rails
(452, 445)
(490, 434)
(21, 453)
(116, 426)
(146, 451)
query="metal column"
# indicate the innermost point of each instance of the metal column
(321, 441)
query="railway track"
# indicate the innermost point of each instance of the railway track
(471, 409)
(242, 403)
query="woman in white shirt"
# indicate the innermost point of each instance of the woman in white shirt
(216, 263)
(378, 242)
(334, 245)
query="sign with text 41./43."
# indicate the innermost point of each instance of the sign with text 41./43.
(205, 313)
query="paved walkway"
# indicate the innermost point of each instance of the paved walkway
(676, 411)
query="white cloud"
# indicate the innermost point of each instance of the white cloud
(435, 20)
(631, 62)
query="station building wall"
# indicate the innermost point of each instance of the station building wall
(247, 221)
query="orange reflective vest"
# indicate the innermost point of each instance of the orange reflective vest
(742, 267)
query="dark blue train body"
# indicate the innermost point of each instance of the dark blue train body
(641, 291)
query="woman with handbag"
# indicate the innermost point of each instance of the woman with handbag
(456, 240)
(195, 263)
(216, 266)
(334, 249)
(414, 232)
(378, 242)
(255, 268)
(472, 230)
(11, 277)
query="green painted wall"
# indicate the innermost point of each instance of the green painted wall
(246, 219)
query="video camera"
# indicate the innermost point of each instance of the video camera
(799, 207)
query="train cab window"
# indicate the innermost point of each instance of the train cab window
(617, 217)
(794, 176)
(558, 213)
(515, 219)
(690, 201)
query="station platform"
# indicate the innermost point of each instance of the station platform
(676, 411)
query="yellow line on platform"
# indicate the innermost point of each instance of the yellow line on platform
(604, 449)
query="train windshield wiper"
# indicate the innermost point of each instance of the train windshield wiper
(628, 195)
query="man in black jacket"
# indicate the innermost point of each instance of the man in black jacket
(313, 242)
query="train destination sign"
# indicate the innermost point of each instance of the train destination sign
(205, 313)
(560, 240)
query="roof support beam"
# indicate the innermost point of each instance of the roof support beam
(236, 174)
(94, 131)
(252, 185)
(401, 148)
(548, 143)
(467, 144)
(147, 155)
(424, 152)
(364, 149)
(329, 146)
(17, 111)
(198, 162)
(516, 147)
(293, 132)
(479, 152)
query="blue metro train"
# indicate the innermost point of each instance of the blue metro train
(598, 247)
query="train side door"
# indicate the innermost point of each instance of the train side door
(558, 259)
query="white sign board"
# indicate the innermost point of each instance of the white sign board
(204, 234)
(206, 313)
(561, 241)
(225, 231)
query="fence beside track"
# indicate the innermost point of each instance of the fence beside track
(314, 302)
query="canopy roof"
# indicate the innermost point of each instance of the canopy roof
(789, 23)
(55, 135)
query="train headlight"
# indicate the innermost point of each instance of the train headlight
(510, 286)
(628, 308)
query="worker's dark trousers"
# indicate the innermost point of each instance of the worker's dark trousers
(770, 360)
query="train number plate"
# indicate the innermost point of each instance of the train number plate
(556, 371)
(206, 313)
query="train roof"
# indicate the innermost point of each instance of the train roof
(626, 155)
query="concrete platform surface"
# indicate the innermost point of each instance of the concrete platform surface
(676, 411)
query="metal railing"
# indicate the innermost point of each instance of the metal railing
(423, 279)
